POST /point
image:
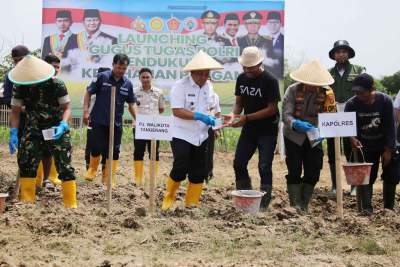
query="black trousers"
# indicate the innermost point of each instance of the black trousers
(101, 139)
(210, 153)
(331, 149)
(247, 145)
(303, 157)
(140, 147)
(89, 144)
(189, 160)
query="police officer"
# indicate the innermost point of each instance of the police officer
(191, 101)
(100, 114)
(210, 20)
(252, 21)
(150, 101)
(47, 105)
(344, 74)
(257, 95)
(60, 43)
(302, 102)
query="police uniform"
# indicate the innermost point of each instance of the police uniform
(215, 40)
(59, 44)
(149, 102)
(301, 106)
(100, 117)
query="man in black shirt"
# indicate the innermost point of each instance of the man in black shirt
(376, 137)
(257, 94)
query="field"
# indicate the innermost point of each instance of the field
(215, 234)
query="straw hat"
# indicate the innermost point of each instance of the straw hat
(202, 61)
(312, 73)
(251, 56)
(31, 70)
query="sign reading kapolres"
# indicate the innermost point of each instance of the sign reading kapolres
(161, 35)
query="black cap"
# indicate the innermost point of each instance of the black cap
(91, 13)
(210, 16)
(231, 16)
(64, 14)
(274, 15)
(363, 82)
(341, 44)
(252, 16)
(19, 51)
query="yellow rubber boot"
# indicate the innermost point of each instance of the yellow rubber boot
(39, 175)
(193, 194)
(114, 166)
(68, 189)
(27, 189)
(92, 171)
(138, 166)
(53, 175)
(170, 193)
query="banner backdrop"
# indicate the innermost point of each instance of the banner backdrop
(161, 35)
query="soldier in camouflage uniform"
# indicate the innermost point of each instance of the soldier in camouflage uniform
(47, 106)
(344, 74)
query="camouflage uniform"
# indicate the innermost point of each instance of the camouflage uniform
(43, 110)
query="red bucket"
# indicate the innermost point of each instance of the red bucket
(357, 173)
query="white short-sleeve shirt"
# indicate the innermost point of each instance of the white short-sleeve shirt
(186, 94)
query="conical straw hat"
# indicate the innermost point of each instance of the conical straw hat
(31, 70)
(312, 73)
(202, 61)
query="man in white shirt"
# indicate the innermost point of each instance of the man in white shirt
(191, 101)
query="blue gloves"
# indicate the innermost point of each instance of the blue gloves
(207, 119)
(302, 126)
(60, 129)
(13, 142)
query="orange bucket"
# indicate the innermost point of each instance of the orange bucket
(357, 173)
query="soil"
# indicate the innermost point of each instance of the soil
(215, 234)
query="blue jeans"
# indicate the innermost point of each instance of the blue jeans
(247, 145)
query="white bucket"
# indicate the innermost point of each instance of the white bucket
(247, 200)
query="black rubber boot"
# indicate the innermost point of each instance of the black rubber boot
(266, 199)
(366, 199)
(243, 185)
(306, 195)
(294, 192)
(389, 193)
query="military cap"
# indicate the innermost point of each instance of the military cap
(210, 16)
(91, 13)
(231, 16)
(252, 17)
(274, 15)
(63, 14)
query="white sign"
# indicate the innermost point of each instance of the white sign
(150, 127)
(342, 124)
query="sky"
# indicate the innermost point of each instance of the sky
(311, 27)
